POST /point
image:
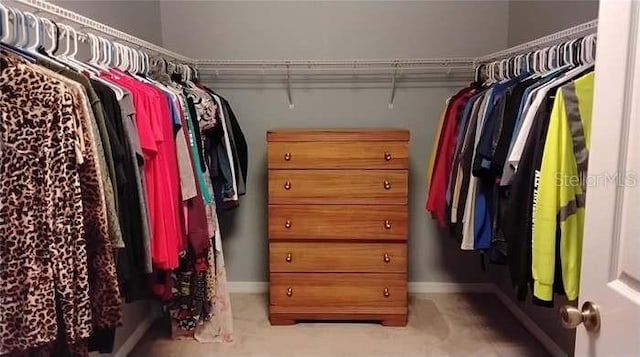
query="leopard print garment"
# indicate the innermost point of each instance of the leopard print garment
(106, 305)
(43, 259)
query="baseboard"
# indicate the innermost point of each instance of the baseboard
(529, 324)
(448, 288)
(261, 287)
(248, 287)
(133, 339)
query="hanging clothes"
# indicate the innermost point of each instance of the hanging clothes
(493, 179)
(108, 194)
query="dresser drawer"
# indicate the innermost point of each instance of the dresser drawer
(328, 289)
(338, 187)
(352, 222)
(338, 155)
(338, 257)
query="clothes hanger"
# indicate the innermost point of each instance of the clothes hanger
(126, 63)
(551, 58)
(104, 59)
(48, 29)
(552, 64)
(134, 60)
(570, 51)
(66, 40)
(566, 58)
(119, 56)
(67, 57)
(22, 33)
(594, 45)
(15, 34)
(493, 76)
(4, 21)
(37, 38)
(522, 64)
(141, 62)
(141, 66)
(82, 66)
(133, 63)
(544, 59)
(94, 43)
(148, 59)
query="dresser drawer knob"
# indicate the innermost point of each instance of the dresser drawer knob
(387, 258)
(287, 185)
(287, 224)
(289, 257)
(289, 292)
(387, 185)
(387, 156)
(287, 156)
(386, 292)
(387, 224)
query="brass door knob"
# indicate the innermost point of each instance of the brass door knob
(289, 292)
(386, 293)
(289, 257)
(287, 156)
(589, 315)
(287, 185)
(387, 224)
(387, 258)
(387, 185)
(287, 224)
(387, 156)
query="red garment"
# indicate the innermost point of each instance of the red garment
(436, 199)
(155, 131)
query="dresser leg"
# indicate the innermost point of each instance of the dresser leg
(395, 321)
(281, 321)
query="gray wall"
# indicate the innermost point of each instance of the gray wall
(332, 29)
(316, 30)
(529, 20)
(140, 18)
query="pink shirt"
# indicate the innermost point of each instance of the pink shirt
(155, 131)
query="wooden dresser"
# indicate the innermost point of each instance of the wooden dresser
(338, 225)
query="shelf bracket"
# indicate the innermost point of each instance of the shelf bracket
(393, 84)
(289, 97)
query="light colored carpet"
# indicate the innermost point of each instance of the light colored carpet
(439, 325)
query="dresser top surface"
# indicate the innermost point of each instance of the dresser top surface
(339, 134)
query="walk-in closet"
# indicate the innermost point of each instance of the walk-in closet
(319, 178)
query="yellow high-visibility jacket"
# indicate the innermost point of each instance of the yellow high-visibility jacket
(561, 188)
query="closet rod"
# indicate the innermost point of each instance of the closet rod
(86, 23)
(571, 33)
(354, 65)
